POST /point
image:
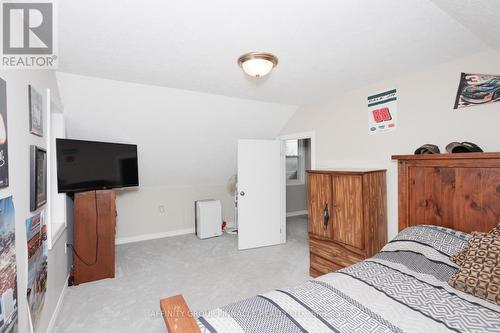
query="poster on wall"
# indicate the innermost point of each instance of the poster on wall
(8, 270)
(4, 155)
(477, 89)
(36, 232)
(382, 112)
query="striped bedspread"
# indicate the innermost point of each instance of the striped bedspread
(401, 289)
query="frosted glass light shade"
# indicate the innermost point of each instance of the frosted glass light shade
(257, 67)
(257, 64)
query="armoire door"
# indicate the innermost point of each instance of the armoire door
(348, 210)
(320, 198)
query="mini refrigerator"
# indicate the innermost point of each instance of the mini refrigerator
(208, 218)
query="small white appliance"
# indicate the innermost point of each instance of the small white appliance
(208, 218)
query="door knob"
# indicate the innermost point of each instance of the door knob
(242, 193)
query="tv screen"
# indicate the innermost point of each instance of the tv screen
(89, 165)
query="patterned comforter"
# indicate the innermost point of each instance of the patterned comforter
(401, 289)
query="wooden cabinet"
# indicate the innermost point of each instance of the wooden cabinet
(347, 217)
(94, 236)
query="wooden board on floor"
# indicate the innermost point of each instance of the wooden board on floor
(177, 315)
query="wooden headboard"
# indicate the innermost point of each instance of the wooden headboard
(459, 191)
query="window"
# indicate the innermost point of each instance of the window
(295, 162)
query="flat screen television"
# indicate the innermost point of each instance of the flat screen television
(89, 165)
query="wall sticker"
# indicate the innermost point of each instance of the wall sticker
(382, 111)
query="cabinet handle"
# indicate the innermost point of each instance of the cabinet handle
(326, 217)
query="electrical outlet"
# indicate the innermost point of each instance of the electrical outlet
(162, 210)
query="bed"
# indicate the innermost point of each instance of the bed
(403, 288)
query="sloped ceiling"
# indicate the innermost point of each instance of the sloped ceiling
(324, 46)
(184, 138)
(481, 17)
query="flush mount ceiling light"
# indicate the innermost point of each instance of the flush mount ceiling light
(257, 64)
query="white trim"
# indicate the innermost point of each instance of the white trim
(48, 186)
(140, 238)
(297, 213)
(52, 322)
(283, 193)
(56, 207)
(296, 184)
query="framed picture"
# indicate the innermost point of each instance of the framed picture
(38, 177)
(4, 154)
(36, 111)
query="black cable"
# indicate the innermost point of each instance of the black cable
(97, 236)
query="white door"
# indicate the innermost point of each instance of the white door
(260, 211)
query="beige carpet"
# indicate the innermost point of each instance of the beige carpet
(209, 273)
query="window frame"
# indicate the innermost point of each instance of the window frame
(301, 165)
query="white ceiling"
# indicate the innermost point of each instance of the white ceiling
(324, 46)
(479, 16)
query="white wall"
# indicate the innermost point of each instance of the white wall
(187, 143)
(20, 140)
(296, 198)
(425, 113)
(139, 215)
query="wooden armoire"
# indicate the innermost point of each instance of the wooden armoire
(347, 217)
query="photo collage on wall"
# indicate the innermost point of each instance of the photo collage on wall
(8, 269)
(38, 155)
(36, 227)
(36, 234)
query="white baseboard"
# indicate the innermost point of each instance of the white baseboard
(297, 213)
(140, 238)
(52, 322)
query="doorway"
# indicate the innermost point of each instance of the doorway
(297, 161)
(299, 156)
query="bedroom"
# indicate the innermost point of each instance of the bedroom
(164, 77)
